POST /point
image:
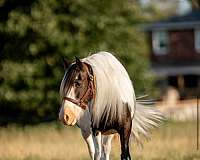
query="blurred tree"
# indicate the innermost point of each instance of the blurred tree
(35, 34)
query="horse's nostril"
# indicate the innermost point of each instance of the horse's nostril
(66, 118)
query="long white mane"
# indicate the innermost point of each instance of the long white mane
(114, 87)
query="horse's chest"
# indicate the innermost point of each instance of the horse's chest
(111, 131)
(106, 128)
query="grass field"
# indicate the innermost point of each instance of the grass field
(52, 141)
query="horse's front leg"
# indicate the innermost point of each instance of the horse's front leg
(93, 144)
(98, 146)
(88, 137)
(106, 146)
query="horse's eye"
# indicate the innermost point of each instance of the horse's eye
(77, 83)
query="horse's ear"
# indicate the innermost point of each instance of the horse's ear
(79, 63)
(66, 63)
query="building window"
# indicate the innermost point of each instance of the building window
(160, 42)
(197, 40)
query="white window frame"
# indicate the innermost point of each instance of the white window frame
(197, 40)
(157, 37)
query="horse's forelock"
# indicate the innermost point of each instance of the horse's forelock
(66, 82)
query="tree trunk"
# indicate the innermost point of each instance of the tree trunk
(195, 4)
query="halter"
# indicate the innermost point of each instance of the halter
(87, 96)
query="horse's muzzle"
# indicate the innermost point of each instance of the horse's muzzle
(67, 117)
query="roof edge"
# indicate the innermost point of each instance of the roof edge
(171, 26)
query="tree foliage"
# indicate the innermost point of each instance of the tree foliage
(36, 34)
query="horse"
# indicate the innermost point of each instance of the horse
(97, 95)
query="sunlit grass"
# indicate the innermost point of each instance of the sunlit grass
(52, 141)
(174, 141)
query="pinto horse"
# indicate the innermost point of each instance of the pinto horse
(98, 96)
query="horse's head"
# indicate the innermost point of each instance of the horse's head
(76, 91)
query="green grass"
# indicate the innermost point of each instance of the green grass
(52, 141)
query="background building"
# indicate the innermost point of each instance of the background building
(175, 53)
